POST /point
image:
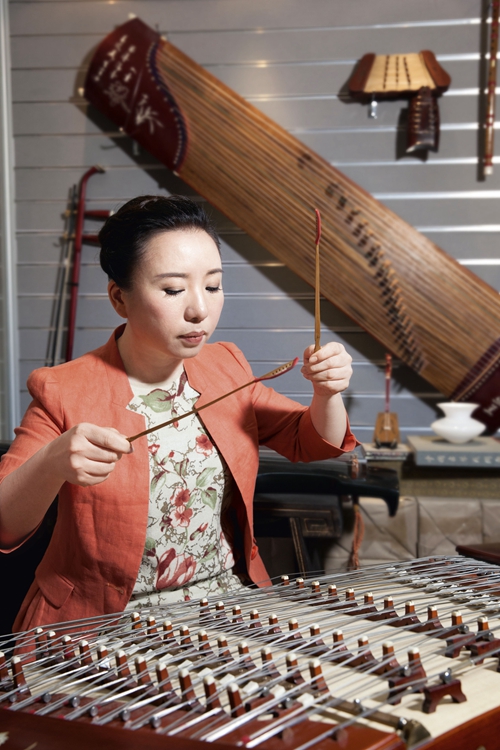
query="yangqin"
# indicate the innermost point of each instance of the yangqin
(386, 658)
(394, 282)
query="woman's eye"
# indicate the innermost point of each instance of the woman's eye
(172, 292)
(213, 289)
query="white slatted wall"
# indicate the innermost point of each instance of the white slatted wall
(290, 58)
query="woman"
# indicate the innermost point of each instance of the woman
(170, 516)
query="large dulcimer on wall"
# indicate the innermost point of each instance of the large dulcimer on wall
(409, 294)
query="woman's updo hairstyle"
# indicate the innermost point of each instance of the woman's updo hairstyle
(125, 234)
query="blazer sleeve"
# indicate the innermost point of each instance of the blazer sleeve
(42, 422)
(286, 426)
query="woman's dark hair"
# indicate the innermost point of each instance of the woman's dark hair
(125, 234)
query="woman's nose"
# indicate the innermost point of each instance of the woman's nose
(196, 309)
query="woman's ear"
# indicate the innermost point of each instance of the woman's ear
(116, 297)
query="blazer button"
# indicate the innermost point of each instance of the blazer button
(253, 553)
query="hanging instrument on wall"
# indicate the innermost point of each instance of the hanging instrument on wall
(394, 282)
(386, 658)
(386, 434)
(489, 133)
(78, 240)
(414, 76)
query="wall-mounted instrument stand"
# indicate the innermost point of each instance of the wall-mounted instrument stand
(417, 77)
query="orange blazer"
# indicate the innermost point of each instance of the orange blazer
(93, 558)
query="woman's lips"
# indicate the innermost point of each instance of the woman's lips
(193, 338)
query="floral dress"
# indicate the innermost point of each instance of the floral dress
(186, 553)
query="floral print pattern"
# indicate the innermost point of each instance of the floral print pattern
(186, 552)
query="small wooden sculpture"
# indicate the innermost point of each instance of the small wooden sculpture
(386, 433)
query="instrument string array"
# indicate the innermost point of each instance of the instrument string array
(305, 659)
(243, 158)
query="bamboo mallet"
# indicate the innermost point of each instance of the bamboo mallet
(317, 285)
(268, 376)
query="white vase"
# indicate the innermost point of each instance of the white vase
(457, 426)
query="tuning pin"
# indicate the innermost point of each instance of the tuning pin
(142, 672)
(41, 644)
(387, 613)
(168, 637)
(187, 690)
(185, 638)
(368, 605)
(293, 675)
(53, 648)
(274, 628)
(244, 656)
(339, 651)
(220, 613)
(412, 676)
(415, 666)
(482, 624)
(268, 663)
(293, 627)
(364, 657)
(432, 622)
(315, 588)
(332, 593)
(205, 614)
(211, 693)
(389, 664)
(135, 620)
(164, 684)
(151, 628)
(317, 644)
(4, 671)
(318, 681)
(204, 644)
(237, 618)
(86, 656)
(19, 679)
(224, 652)
(68, 652)
(254, 620)
(409, 618)
(237, 707)
(122, 666)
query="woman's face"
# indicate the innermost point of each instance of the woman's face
(176, 297)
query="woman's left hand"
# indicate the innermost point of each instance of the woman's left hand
(329, 369)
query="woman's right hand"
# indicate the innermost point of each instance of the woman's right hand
(87, 454)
